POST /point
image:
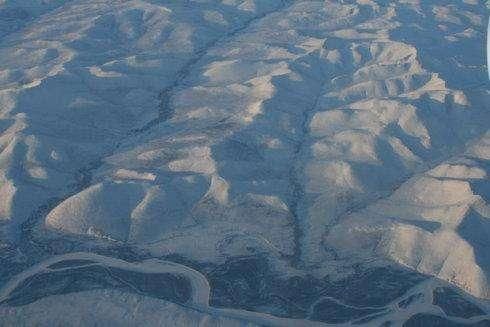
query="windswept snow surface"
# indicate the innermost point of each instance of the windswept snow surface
(315, 162)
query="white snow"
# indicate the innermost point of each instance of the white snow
(319, 133)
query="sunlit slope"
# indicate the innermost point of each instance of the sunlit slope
(320, 133)
(77, 80)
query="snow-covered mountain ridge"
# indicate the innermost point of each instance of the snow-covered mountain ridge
(325, 139)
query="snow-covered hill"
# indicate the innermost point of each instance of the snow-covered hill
(334, 142)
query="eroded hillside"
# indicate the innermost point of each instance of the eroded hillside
(330, 139)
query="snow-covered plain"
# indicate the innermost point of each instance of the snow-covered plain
(329, 138)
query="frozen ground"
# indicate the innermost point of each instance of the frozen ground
(313, 162)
